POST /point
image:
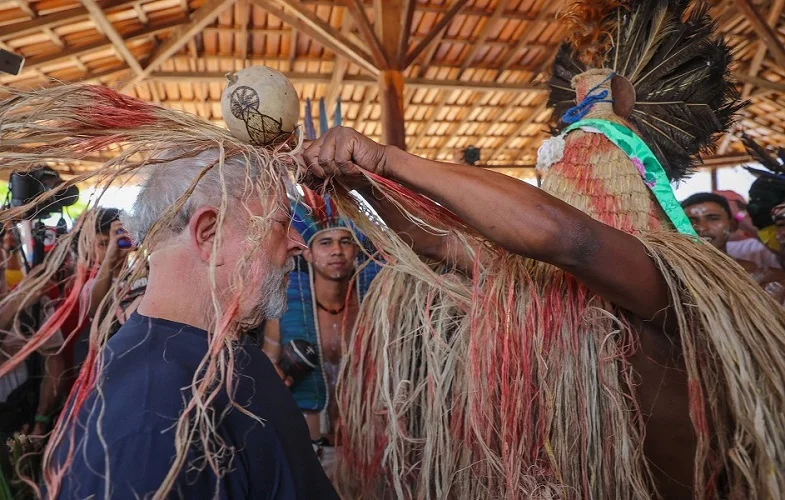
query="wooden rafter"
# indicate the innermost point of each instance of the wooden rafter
(307, 22)
(406, 32)
(24, 6)
(440, 26)
(768, 36)
(292, 49)
(101, 44)
(426, 62)
(93, 77)
(99, 18)
(440, 84)
(54, 38)
(244, 8)
(760, 82)
(336, 82)
(760, 53)
(58, 18)
(489, 26)
(366, 30)
(515, 53)
(754, 69)
(201, 17)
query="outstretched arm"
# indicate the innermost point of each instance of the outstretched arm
(516, 216)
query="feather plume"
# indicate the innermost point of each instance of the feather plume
(763, 156)
(590, 24)
(680, 71)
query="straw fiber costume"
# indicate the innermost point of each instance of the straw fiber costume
(516, 381)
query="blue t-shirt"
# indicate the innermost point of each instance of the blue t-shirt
(149, 365)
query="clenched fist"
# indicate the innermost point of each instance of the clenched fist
(344, 152)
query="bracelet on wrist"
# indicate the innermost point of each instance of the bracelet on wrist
(43, 419)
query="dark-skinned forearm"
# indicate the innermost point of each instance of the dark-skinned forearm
(516, 216)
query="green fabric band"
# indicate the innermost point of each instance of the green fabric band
(43, 419)
(647, 164)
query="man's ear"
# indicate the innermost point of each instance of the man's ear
(307, 255)
(203, 227)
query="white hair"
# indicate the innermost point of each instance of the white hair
(167, 181)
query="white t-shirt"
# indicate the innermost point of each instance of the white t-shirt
(754, 251)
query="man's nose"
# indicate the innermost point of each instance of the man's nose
(296, 242)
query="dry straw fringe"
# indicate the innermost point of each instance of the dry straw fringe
(517, 379)
(70, 123)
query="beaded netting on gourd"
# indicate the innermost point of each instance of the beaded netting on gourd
(64, 124)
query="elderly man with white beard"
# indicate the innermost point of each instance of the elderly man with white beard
(127, 439)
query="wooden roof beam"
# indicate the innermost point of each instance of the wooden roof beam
(336, 82)
(434, 32)
(103, 43)
(92, 77)
(486, 30)
(50, 20)
(381, 58)
(760, 54)
(755, 66)
(406, 32)
(768, 36)
(200, 18)
(292, 49)
(99, 18)
(24, 6)
(426, 62)
(440, 84)
(759, 82)
(307, 22)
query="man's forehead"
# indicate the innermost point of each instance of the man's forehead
(708, 207)
(333, 234)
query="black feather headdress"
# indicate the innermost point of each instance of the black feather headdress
(680, 72)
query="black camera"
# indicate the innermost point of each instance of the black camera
(24, 187)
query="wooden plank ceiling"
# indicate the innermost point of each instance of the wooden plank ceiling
(474, 69)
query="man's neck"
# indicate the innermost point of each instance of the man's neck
(331, 292)
(170, 295)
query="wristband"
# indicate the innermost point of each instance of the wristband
(740, 216)
(43, 419)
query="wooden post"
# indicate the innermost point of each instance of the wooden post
(389, 26)
(714, 182)
(391, 100)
